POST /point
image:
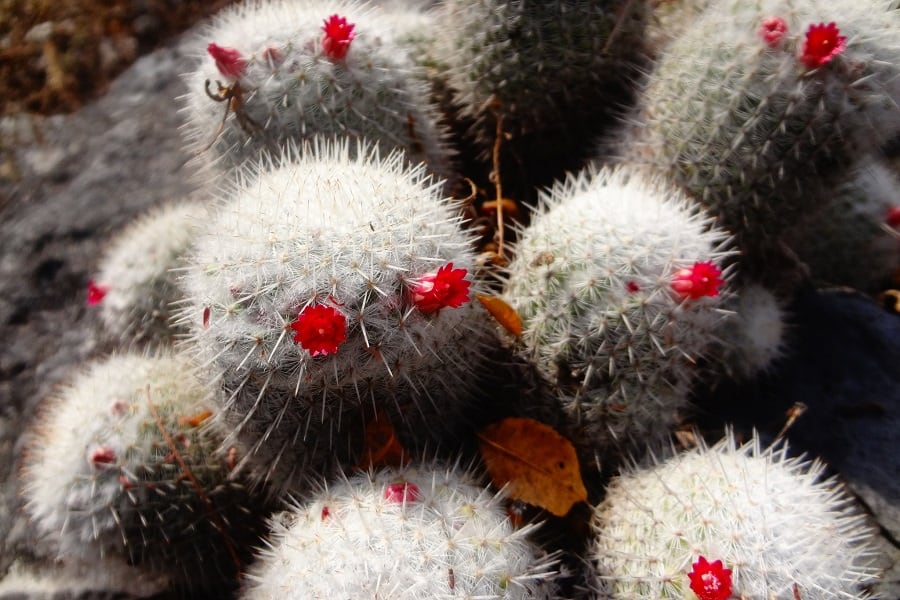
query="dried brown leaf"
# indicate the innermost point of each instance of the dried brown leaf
(505, 314)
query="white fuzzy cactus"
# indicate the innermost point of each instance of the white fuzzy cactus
(296, 69)
(617, 280)
(120, 464)
(422, 531)
(773, 521)
(136, 284)
(329, 284)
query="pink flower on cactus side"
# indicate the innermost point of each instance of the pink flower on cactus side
(701, 279)
(320, 329)
(102, 456)
(96, 293)
(228, 60)
(772, 30)
(823, 42)
(337, 38)
(710, 581)
(446, 287)
(401, 492)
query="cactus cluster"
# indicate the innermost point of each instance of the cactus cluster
(328, 281)
(120, 463)
(618, 283)
(423, 531)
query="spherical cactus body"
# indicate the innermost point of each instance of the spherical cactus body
(120, 463)
(330, 284)
(422, 531)
(136, 284)
(618, 284)
(291, 70)
(854, 239)
(757, 107)
(752, 522)
(550, 74)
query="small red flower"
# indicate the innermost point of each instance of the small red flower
(702, 279)
(320, 329)
(337, 38)
(326, 512)
(401, 493)
(823, 42)
(632, 287)
(96, 293)
(710, 581)
(102, 456)
(228, 60)
(446, 287)
(892, 218)
(772, 30)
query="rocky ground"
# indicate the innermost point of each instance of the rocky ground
(70, 182)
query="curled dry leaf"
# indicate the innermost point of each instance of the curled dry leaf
(381, 446)
(535, 463)
(505, 314)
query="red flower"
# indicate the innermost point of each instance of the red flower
(892, 218)
(102, 455)
(401, 492)
(320, 329)
(823, 43)
(228, 60)
(710, 581)
(337, 38)
(772, 30)
(96, 293)
(703, 279)
(446, 287)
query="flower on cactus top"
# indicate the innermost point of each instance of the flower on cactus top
(701, 279)
(95, 292)
(102, 455)
(772, 30)
(823, 42)
(228, 60)
(337, 38)
(401, 493)
(710, 581)
(320, 329)
(446, 287)
(892, 218)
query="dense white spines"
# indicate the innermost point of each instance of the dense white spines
(349, 237)
(410, 533)
(102, 476)
(291, 89)
(771, 519)
(593, 282)
(138, 275)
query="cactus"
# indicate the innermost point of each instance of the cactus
(758, 105)
(551, 75)
(617, 283)
(421, 531)
(771, 520)
(291, 70)
(853, 239)
(119, 464)
(136, 284)
(328, 284)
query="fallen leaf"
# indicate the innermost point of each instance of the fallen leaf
(381, 448)
(505, 314)
(195, 420)
(535, 464)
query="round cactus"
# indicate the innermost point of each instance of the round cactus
(120, 464)
(136, 284)
(330, 284)
(853, 239)
(617, 281)
(542, 65)
(417, 532)
(291, 70)
(731, 521)
(757, 106)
